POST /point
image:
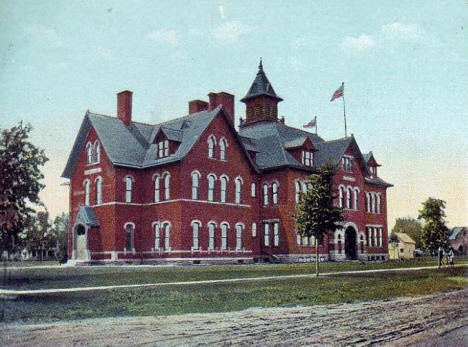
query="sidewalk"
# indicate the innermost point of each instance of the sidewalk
(9, 293)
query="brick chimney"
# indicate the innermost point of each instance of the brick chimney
(225, 99)
(195, 106)
(124, 106)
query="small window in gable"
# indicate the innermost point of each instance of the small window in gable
(347, 163)
(89, 153)
(211, 146)
(222, 149)
(307, 158)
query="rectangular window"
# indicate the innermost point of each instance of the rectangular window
(276, 234)
(267, 234)
(167, 236)
(254, 229)
(157, 239)
(166, 148)
(298, 239)
(161, 149)
(348, 164)
(253, 190)
(239, 237)
(195, 228)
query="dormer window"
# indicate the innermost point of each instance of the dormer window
(93, 153)
(163, 149)
(347, 164)
(373, 171)
(307, 158)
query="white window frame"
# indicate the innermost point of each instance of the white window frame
(195, 185)
(211, 187)
(87, 189)
(97, 151)
(167, 186)
(254, 229)
(132, 236)
(161, 149)
(157, 182)
(211, 146)
(222, 149)
(223, 188)
(276, 234)
(99, 191)
(166, 148)
(348, 197)
(356, 199)
(266, 238)
(253, 189)
(274, 193)
(297, 186)
(239, 232)
(224, 236)
(196, 235)
(157, 235)
(167, 236)
(211, 235)
(128, 188)
(238, 186)
(265, 194)
(89, 153)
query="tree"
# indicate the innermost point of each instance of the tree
(315, 212)
(20, 182)
(409, 226)
(38, 233)
(60, 228)
(434, 232)
(395, 242)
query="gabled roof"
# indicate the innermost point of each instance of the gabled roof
(132, 146)
(455, 232)
(261, 86)
(331, 151)
(402, 237)
(369, 157)
(377, 181)
(87, 216)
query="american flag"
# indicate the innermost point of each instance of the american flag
(311, 124)
(338, 93)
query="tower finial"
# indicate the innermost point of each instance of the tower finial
(260, 66)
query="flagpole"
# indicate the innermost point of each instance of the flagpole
(344, 112)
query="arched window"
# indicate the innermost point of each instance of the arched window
(195, 230)
(89, 153)
(157, 236)
(356, 199)
(128, 189)
(195, 185)
(98, 191)
(224, 228)
(368, 202)
(274, 189)
(265, 194)
(156, 188)
(211, 187)
(211, 236)
(129, 231)
(167, 185)
(305, 188)
(276, 234)
(372, 202)
(239, 230)
(348, 198)
(161, 149)
(298, 191)
(97, 152)
(222, 149)
(253, 190)
(167, 236)
(341, 197)
(380, 237)
(238, 184)
(86, 189)
(267, 234)
(211, 146)
(378, 203)
(223, 188)
(254, 229)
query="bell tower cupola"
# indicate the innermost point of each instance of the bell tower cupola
(261, 100)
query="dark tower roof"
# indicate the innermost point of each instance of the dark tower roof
(261, 86)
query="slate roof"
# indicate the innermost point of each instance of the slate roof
(87, 216)
(132, 146)
(261, 86)
(455, 232)
(270, 140)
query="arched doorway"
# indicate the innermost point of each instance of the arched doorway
(350, 243)
(80, 242)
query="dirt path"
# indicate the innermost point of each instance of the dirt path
(400, 322)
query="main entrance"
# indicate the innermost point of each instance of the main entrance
(80, 242)
(350, 243)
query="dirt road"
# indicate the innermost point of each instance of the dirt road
(423, 321)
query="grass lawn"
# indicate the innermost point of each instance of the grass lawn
(66, 277)
(232, 296)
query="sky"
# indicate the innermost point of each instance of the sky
(403, 64)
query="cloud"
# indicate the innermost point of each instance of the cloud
(402, 32)
(44, 34)
(361, 43)
(230, 32)
(166, 37)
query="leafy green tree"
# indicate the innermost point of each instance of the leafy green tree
(411, 227)
(38, 233)
(60, 228)
(20, 182)
(315, 213)
(434, 232)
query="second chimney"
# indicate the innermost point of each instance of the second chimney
(224, 99)
(124, 106)
(196, 106)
